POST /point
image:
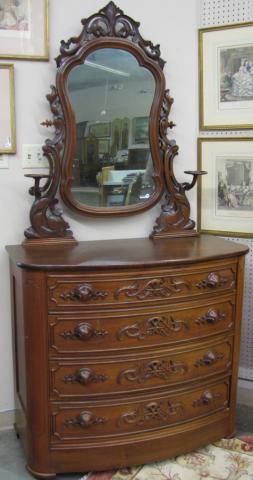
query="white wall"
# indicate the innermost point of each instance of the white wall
(173, 24)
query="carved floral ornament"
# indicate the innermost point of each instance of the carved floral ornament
(109, 27)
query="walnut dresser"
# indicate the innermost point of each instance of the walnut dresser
(126, 350)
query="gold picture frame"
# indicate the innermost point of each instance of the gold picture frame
(225, 195)
(24, 30)
(7, 111)
(226, 77)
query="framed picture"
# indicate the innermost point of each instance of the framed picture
(7, 110)
(226, 77)
(141, 130)
(103, 146)
(100, 130)
(24, 29)
(225, 195)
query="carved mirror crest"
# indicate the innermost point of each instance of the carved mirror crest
(110, 154)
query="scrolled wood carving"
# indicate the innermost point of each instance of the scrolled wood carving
(175, 216)
(46, 218)
(157, 287)
(83, 331)
(83, 293)
(110, 21)
(155, 369)
(86, 419)
(150, 412)
(162, 326)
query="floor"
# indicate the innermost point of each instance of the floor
(12, 461)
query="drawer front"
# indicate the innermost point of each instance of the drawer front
(86, 333)
(110, 290)
(153, 413)
(112, 376)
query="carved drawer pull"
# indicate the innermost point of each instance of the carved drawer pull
(209, 358)
(83, 293)
(83, 331)
(206, 398)
(84, 376)
(212, 317)
(85, 420)
(213, 280)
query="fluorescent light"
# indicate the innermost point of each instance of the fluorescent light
(106, 69)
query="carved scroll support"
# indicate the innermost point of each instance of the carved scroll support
(174, 219)
(47, 223)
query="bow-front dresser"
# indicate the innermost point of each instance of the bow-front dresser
(126, 350)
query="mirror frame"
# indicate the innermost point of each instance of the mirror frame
(100, 31)
(110, 27)
(64, 69)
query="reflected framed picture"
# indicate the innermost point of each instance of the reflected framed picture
(24, 29)
(100, 130)
(103, 146)
(225, 195)
(7, 110)
(141, 130)
(226, 77)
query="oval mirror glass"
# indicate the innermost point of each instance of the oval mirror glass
(111, 96)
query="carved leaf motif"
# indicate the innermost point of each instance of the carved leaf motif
(152, 326)
(157, 287)
(110, 21)
(206, 398)
(155, 369)
(150, 412)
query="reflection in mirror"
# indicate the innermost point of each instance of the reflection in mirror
(111, 96)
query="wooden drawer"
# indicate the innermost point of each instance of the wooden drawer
(116, 375)
(118, 331)
(91, 421)
(99, 290)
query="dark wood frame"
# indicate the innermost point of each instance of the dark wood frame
(109, 28)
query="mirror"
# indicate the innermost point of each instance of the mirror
(111, 96)
(110, 154)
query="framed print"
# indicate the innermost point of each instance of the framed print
(7, 110)
(226, 77)
(24, 29)
(140, 130)
(225, 195)
(100, 130)
(103, 146)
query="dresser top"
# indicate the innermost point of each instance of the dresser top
(124, 253)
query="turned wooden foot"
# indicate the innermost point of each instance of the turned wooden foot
(40, 474)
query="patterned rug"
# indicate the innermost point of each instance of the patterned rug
(224, 460)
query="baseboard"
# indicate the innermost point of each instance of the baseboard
(7, 420)
(245, 392)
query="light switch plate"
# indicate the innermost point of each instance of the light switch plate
(4, 161)
(32, 156)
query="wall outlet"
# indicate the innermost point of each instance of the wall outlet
(4, 161)
(32, 157)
